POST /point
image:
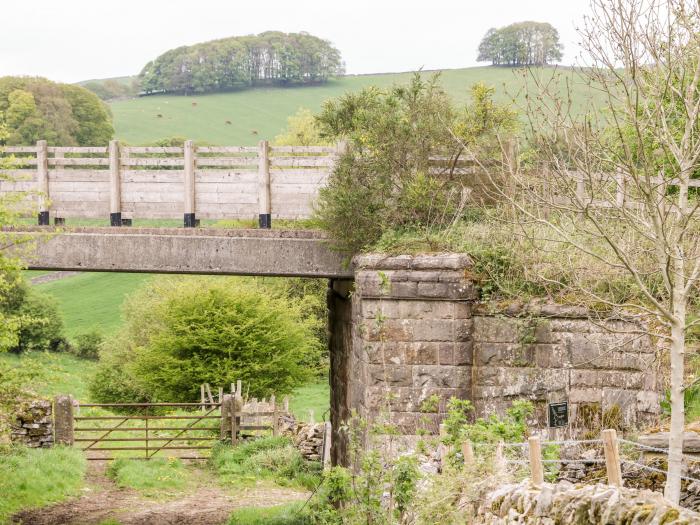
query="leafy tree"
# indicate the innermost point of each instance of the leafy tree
(521, 44)
(231, 63)
(302, 130)
(388, 181)
(34, 109)
(180, 333)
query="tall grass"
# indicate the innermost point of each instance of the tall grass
(156, 477)
(270, 458)
(36, 477)
(280, 515)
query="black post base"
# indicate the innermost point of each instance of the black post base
(190, 221)
(43, 218)
(115, 219)
(265, 220)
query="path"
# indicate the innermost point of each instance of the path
(206, 504)
(52, 276)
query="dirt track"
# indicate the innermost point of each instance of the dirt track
(102, 500)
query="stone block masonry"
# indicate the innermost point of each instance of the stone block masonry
(33, 425)
(413, 330)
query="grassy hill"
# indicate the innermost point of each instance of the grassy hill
(246, 116)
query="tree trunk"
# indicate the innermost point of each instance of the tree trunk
(672, 491)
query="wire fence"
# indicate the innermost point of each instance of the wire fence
(616, 452)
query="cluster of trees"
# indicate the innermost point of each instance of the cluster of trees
(521, 44)
(33, 108)
(111, 89)
(270, 58)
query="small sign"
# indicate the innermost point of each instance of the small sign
(558, 414)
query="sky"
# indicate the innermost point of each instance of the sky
(74, 40)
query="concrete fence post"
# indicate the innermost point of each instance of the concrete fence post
(63, 420)
(115, 185)
(327, 433)
(264, 186)
(189, 154)
(612, 457)
(42, 179)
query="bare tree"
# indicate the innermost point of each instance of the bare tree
(615, 180)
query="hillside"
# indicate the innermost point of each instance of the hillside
(246, 116)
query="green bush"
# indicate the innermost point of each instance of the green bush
(87, 345)
(180, 333)
(41, 324)
(387, 180)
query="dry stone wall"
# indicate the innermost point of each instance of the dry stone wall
(33, 425)
(413, 330)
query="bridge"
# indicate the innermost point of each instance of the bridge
(214, 251)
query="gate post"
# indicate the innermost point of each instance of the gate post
(63, 420)
(236, 416)
(226, 409)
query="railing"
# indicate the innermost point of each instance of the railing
(189, 182)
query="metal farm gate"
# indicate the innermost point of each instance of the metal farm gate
(104, 433)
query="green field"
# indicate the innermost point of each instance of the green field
(93, 300)
(261, 113)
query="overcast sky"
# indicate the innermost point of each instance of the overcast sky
(72, 40)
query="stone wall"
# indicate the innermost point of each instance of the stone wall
(413, 330)
(33, 425)
(586, 504)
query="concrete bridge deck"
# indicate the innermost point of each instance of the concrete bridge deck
(214, 251)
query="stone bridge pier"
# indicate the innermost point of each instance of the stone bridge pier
(410, 329)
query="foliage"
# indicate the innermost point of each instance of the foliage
(14, 390)
(87, 345)
(388, 180)
(272, 57)
(33, 108)
(180, 333)
(36, 477)
(289, 514)
(40, 324)
(151, 477)
(111, 88)
(272, 458)
(521, 44)
(302, 130)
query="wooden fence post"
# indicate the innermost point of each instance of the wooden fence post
(499, 459)
(189, 154)
(42, 178)
(63, 420)
(236, 415)
(467, 452)
(115, 196)
(612, 457)
(536, 470)
(275, 417)
(226, 409)
(264, 190)
(327, 433)
(202, 397)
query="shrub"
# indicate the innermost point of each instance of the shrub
(41, 326)
(387, 180)
(87, 345)
(180, 333)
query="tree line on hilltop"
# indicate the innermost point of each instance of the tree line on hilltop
(521, 44)
(270, 58)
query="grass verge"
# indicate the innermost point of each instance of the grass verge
(279, 515)
(154, 478)
(271, 458)
(36, 477)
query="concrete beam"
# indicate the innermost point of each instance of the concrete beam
(298, 253)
